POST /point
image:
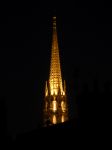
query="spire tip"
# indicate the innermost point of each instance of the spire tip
(54, 21)
(54, 17)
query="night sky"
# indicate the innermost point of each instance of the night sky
(84, 33)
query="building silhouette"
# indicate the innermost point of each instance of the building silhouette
(55, 102)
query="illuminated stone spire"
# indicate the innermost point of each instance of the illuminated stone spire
(55, 79)
(55, 103)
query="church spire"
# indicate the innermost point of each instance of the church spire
(55, 78)
(55, 102)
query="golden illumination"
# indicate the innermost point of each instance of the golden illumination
(63, 106)
(46, 90)
(55, 79)
(63, 93)
(54, 104)
(55, 108)
(54, 120)
(62, 118)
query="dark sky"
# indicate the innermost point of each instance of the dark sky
(84, 31)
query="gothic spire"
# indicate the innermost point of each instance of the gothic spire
(55, 78)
